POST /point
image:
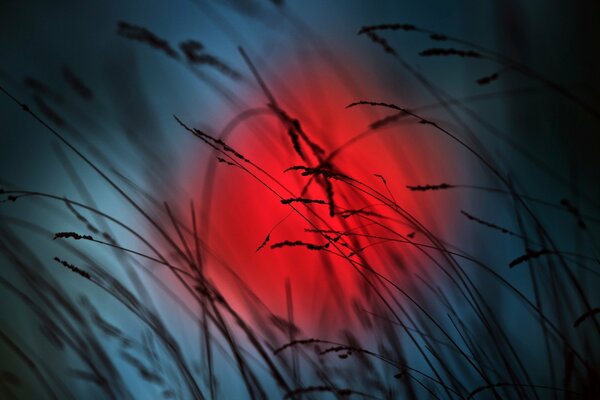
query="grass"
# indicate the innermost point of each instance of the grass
(176, 305)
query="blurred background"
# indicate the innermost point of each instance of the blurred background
(535, 121)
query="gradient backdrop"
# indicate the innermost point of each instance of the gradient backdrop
(429, 287)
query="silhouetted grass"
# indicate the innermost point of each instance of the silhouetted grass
(424, 315)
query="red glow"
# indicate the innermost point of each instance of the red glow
(243, 211)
